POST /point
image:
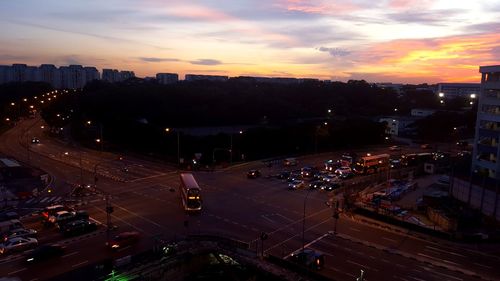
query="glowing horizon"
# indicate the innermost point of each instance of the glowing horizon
(401, 41)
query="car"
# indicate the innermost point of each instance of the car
(44, 252)
(17, 244)
(395, 148)
(35, 140)
(330, 186)
(315, 184)
(330, 178)
(21, 232)
(297, 184)
(51, 210)
(78, 227)
(308, 258)
(395, 163)
(290, 162)
(307, 172)
(283, 175)
(344, 172)
(253, 174)
(124, 239)
(61, 217)
(331, 165)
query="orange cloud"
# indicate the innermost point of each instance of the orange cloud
(454, 59)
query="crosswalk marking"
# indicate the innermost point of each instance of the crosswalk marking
(31, 200)
(44, 199)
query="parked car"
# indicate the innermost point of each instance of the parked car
(124, 239)
(426, 146)
(51, 210)
(35, 140)
(290, 162)
(344, 172)
(17, 244)
(253, 174)
(283, 175)
(297, 184)
(21, 232)
(61, 216)
(395, 148)
(330, 178)
(10, 225)
(316, 184)
(78, 227)
(308, 258)
(307, 172)
(330, 186)
(44, 252)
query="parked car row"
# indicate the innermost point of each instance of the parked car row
(14, 237)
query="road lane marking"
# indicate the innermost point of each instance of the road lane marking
(389, 239)
(268, 219)
(309, 244)
(360, 265)
(70, 254)
(415, 278)
(446, 275)
(438, 259)
(78, 264)
(17, 271)
(482, 265)
(354, 229)
(284, 217)
(123, 249)
(445, 251)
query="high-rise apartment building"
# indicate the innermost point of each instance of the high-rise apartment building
(167, 78)
(486, 157)
(49, 73)
(91, 74)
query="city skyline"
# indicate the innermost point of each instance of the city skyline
(398, 41)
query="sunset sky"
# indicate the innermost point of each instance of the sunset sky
(409, 41)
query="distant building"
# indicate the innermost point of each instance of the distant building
(420, 112)
(113, 75)
(49, 73)
(486, 156)
(73, 76)
(214, 78)
(167, 78)
(5, 74)
(399, 125)
(454, 90)
(19, 72)
(91, 74)
(395, 87)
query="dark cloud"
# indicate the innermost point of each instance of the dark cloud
(153, 59)
(440, 17)
(335, 52)
(5, 57)
(487, 27)
(206, 62)
(95, 35)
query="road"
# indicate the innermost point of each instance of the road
(146, 199)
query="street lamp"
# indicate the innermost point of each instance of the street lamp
(304, 221)
(231, 147)
(168, 130)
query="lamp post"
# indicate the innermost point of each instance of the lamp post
(304, 221)
(231, 147)
(178, 144)
(109, 208)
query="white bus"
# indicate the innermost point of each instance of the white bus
(190, 193)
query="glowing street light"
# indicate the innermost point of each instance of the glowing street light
(89, 122)
(12, 103)
(25, 99)
(98, 140)
(7, 119)
(472, 96)
(441, 95)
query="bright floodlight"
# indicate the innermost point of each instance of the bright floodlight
(472, 96)
(441, 95)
